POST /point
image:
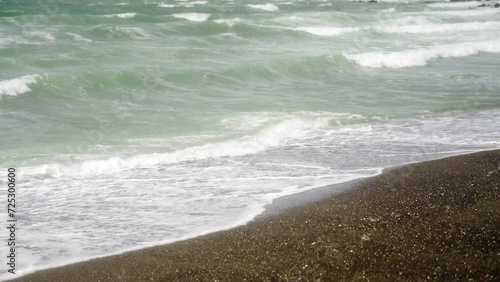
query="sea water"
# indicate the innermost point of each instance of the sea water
(135, 123)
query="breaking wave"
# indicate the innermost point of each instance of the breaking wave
(16, 86)
(420, 57)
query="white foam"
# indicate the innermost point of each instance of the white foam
(328, 31)
(420, 57)
(123, 15)
(265, 7)
(229, 22)
(16, 86)
(438, 28)
(193, 17)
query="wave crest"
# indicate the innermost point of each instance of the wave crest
(420, 57)
(16, 86)
(265, 7)
(272, 131)
(193, 17)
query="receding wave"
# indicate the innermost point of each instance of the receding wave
(272, 134)
(16, 86)
(420, 57)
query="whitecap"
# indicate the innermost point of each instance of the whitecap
(421, 56)
(16, 86)
(265, 7)
(193, 17)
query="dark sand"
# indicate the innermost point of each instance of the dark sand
(437, 220)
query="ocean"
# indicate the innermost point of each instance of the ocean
(137, 123)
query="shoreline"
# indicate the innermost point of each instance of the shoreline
(279, 208)
(283, 203)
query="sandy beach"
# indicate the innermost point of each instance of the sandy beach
(436, 220)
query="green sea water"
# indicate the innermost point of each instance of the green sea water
(190, 116)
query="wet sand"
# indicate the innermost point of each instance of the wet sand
(437, 220)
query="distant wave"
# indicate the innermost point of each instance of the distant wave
(78, 37)
(328, 31)
(187, 4)
(438, 28)
(121, 32)
(123, 16)
(414, 28)
(229, 22)
(197, 3)
(41, 34)
(454, 5)
(395, 1)
(265, 7)
(463, 13)
(420, 57)
(193, 17)
(16, 86)
(389, 10)
(167, 5)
